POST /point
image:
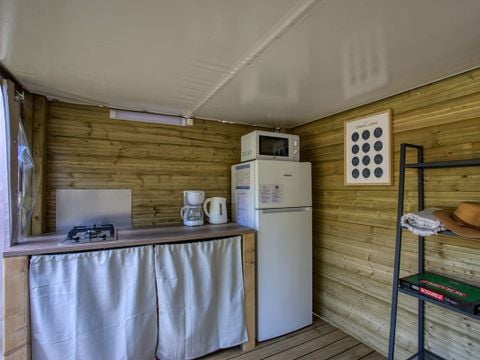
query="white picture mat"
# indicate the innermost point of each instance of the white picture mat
(369, 123)
(76, 207)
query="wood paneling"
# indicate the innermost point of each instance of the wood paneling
(39, 154)
(88, 150)
(319, 341)
(27, 116)
(16, 341)
(248, 260)
(354, 226)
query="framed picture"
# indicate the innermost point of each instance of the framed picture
(368, 150)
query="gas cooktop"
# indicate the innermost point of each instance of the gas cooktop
(85, 234)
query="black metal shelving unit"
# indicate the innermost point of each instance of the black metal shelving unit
(420, 165)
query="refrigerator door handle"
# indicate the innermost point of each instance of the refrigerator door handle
(283, 210)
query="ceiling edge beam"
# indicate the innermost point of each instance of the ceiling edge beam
(281, 27)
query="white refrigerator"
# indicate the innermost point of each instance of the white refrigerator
(275, 198)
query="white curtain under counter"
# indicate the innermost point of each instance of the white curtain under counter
(103, 304)
(94, 305)
(200, 298)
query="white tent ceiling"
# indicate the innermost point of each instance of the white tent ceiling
(263, 62)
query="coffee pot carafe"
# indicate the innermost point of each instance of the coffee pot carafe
(217, 211)
(192, 212)
(192, 215)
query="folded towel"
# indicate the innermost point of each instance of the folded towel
(422, 223)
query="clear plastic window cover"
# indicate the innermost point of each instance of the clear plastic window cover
(26, 191)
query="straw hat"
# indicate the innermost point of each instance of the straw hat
(463, 220)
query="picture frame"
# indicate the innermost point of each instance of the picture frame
(368, 150)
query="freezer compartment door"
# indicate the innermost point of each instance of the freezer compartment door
(280, 184)
(284, 271)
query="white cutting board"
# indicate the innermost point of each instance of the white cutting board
(88, 207)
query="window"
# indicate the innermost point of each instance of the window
(16, 192)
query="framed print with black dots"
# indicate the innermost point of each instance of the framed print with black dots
(368, 145)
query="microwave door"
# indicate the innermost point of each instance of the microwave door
(273, 146)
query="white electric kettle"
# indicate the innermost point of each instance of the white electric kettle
(217, 214)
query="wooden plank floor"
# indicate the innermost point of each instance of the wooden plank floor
(318, 341)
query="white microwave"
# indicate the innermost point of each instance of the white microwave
(267, 145)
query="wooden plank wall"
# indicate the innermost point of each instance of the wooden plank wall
(354, 227)
(86, 149)
(39, 154)
(34, 119)
(16, 340)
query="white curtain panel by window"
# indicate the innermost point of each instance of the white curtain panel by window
(94, 305)
(4, 195)
(200, 298)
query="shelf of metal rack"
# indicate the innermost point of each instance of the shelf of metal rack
(420, 166)
(430, 300)
(425, 355)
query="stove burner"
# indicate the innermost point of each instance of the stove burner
(80, 234)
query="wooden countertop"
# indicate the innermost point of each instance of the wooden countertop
(49, 243)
